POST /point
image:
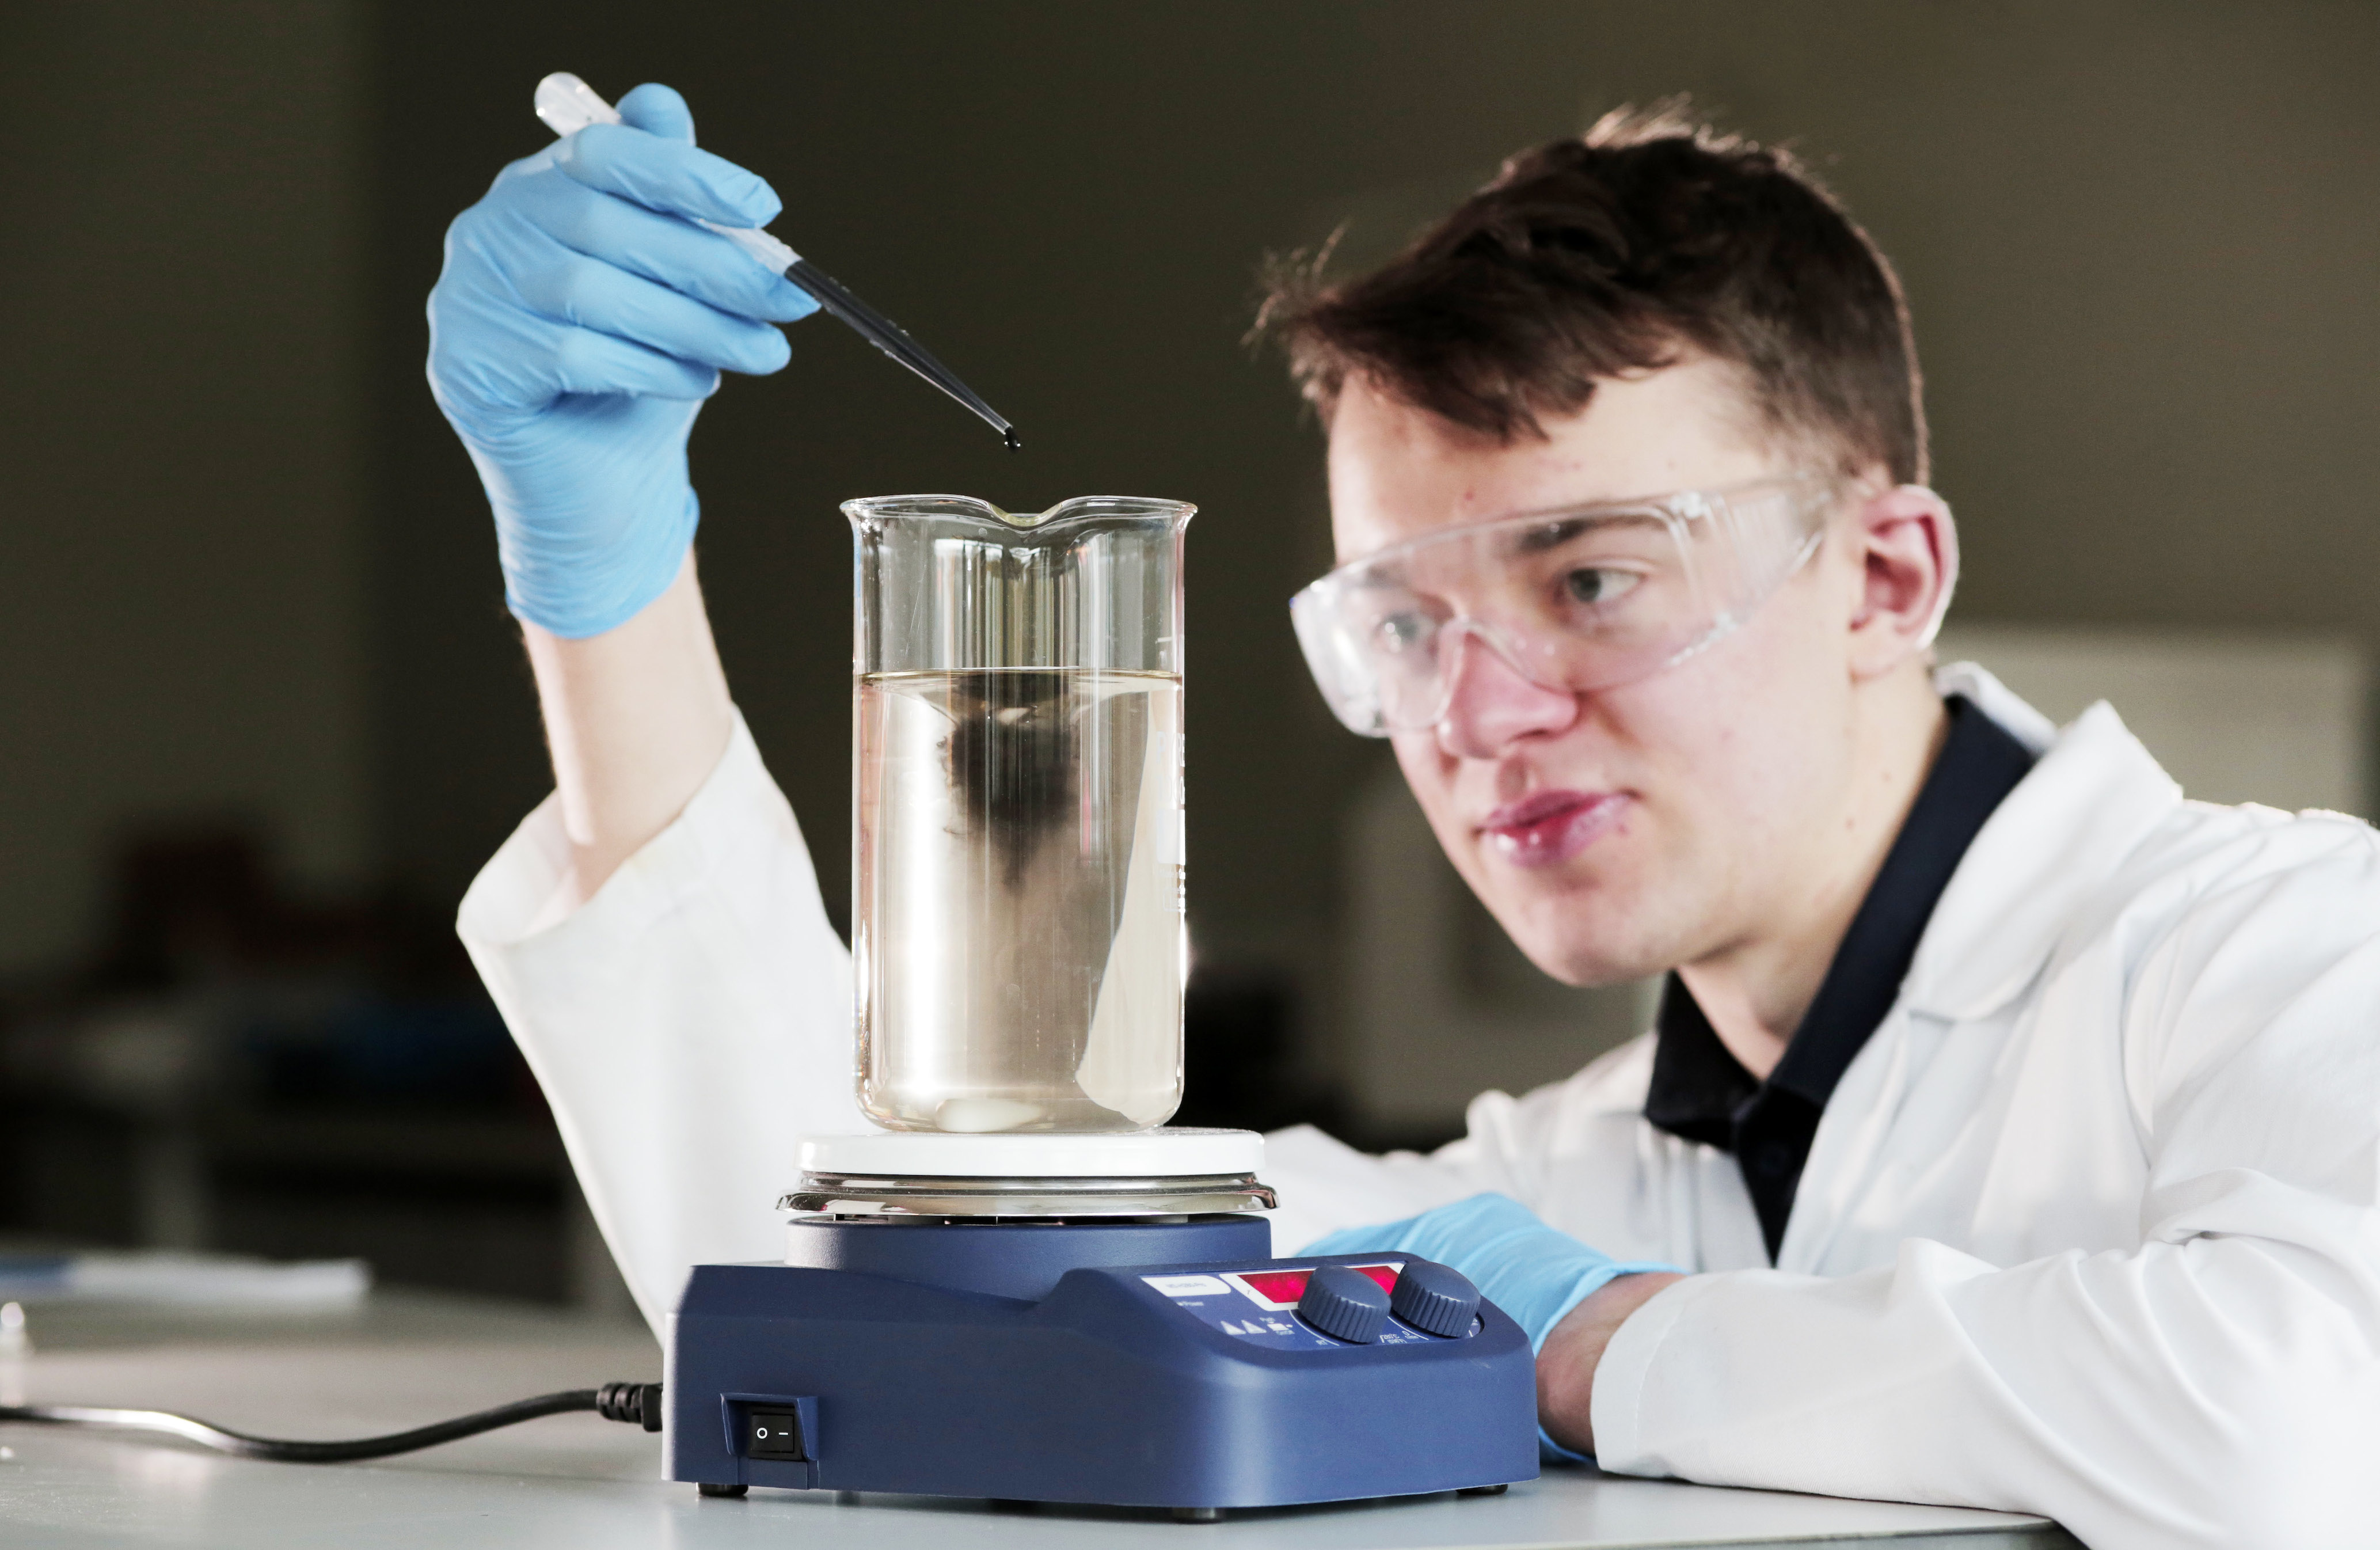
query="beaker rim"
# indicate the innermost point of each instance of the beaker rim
(1080, 509)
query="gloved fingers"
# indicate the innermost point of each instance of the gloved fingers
(659, 110)
(666, 175)
(662, 248)
(592, 295)
(582, 361)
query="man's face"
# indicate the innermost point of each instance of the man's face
(1620, 832)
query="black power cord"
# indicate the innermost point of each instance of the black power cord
(640, 1404)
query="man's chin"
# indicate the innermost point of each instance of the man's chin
(1581, 956)
(1598, 973)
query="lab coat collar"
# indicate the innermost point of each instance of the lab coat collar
(2093, 795)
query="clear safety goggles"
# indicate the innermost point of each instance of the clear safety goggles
(1579, 599)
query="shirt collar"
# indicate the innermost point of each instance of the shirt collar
(1697, 1087)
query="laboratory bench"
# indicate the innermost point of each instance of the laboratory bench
(402, 1358)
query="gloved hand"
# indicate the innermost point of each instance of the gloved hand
(1532, 1272)
(1528, 1269)
(578, 327)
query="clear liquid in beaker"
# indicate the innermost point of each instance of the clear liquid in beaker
(1018, 929)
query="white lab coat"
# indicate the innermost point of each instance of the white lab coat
(2091, 1227)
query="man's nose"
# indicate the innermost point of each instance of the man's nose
(1492, 704)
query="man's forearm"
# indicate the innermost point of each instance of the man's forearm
(636, 718)
(1566, 1365)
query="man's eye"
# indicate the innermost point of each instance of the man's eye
(1600, 586)
(1399, 633)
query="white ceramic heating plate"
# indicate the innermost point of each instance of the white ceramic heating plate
(1162, 1154)
(1153, 1174)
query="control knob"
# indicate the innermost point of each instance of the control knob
(1345, 1303)
(1434, 1298)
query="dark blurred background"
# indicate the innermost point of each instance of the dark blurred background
(262, 714)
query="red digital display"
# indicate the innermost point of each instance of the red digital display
(1285, 1286)
(1278, 1286)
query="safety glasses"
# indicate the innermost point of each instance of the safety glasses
(1579, 599)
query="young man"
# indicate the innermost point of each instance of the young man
(2009, 1134)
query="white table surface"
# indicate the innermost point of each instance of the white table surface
(579, 1482)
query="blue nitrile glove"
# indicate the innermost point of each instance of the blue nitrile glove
(577, 329)
(1535, 1273)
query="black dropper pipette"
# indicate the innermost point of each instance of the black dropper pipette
(568, 104)
(895, 341)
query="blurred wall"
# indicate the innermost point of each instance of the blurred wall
(182, 619)
(2139, 240)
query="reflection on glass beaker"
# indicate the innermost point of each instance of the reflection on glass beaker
(1018, 919)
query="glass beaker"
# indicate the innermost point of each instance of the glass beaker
(1017, 828)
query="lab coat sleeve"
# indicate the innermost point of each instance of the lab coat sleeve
(2219, 1385)
(688, 1024)
(1325, 1185)
(1577, 1152)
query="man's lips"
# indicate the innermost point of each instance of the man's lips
(1551, 827)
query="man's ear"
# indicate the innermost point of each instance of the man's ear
(1910, 548)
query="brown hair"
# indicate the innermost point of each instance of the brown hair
(1649, 236)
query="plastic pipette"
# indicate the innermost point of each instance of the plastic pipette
(568, 104)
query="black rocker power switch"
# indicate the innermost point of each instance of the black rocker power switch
(772, 1434)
